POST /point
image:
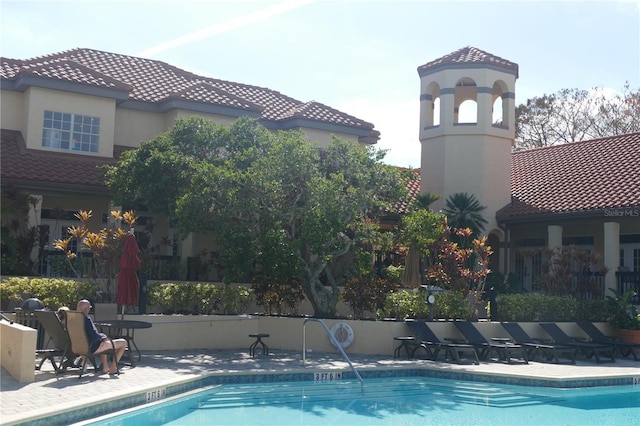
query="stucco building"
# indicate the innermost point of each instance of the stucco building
(585, 194)
(66, 113)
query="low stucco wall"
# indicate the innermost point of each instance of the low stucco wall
(202, 332)
(232, 332)
(15, 341)
(176, 332)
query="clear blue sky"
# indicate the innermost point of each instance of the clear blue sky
(357, 56)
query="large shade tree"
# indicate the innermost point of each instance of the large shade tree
(276, 205)
(572, 115)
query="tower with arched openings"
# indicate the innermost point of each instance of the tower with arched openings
(467, 130)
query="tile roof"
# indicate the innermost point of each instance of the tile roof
(413, 186)
(156, 82)
(46, 167)
(586, 176)
(58, 69)
(464, 57)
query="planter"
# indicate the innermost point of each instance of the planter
(629, 336)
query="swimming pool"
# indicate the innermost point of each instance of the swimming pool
(390, 401)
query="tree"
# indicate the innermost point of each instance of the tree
(418, 230)
(278, 206)
(424, 200)
(19, 238)
(465, 211)
(572, 115)
(454, 267)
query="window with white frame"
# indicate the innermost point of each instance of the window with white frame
(73, 132)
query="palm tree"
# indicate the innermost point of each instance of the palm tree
(465, 211)
(424, 200)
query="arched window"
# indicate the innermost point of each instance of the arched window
(499, 117)
(465, 102)
(468, 112)
(436, 111)
(432, 108)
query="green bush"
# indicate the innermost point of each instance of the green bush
(198, 298)
(452, 305)
(538, 307)
(405, 304)
(527, 307)
(394, 274)
(53, 292)
(235, 299)
(592, 310)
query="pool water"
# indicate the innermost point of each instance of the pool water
(392, 401)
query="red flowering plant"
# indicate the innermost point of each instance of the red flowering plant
(104, 246)
(461, 267)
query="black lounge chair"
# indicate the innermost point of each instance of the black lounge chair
(427, 340)
(623, 348)
(550, 351)
(588, 349)
(58, 337)
(485, 347)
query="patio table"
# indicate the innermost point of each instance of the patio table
(124, 329)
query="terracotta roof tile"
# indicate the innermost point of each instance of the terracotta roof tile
(575, 177)
(414, 189)
(155, 82)
(29, 165)
(467, 55)
(59, 69)
(206, 93)
(316, 111)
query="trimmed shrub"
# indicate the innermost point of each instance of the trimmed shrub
(538, 307)
(405, 304)
(53, 292)
(198, 298)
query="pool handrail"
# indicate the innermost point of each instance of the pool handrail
(335, 343)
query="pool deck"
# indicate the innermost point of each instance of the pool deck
(49, 395)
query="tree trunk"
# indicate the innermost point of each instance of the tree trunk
(322, 299)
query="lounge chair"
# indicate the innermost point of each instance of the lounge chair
(623, 348)
(80, 343)
(550, 351)
(58, 336)
(588, 349)
(485, 347)
(432, 345)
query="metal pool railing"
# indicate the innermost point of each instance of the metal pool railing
(335, 343)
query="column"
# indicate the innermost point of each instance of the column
(611, 250)
(187, 251)
(554, 237)
(33, 218)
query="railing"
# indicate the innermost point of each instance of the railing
(164, 268)
(627, 281)
(588, 286)
(335, 343)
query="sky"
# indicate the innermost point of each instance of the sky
(360, 57)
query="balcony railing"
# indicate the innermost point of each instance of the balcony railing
(627, 281)
(588, 286)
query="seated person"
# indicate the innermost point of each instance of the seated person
(99, 342)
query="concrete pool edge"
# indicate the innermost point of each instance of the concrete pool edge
(99, 407)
